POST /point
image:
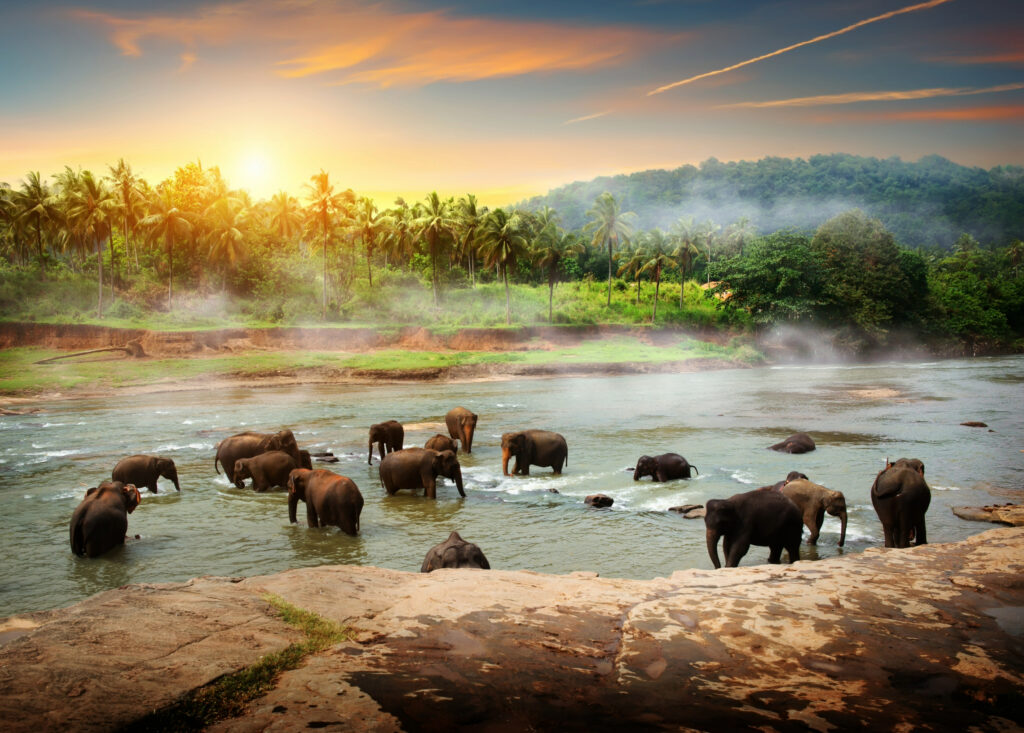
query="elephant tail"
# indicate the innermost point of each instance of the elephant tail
(216, 458)
(695, 469)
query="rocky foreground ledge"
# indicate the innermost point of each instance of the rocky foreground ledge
(930, 638)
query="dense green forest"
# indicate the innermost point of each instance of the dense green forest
(926, 204)
(191, 250)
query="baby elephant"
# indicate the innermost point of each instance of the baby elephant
(795, 443)
(813, 500)
(143, 471)
(389, 437)
(442, 442)
(418, 468)
(100, 522)
(665, 467)
(454, 552)
(266, 470)
(330, 499)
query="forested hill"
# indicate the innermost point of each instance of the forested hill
(925, 204)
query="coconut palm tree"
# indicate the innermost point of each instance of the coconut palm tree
(503, 245)
(91, 206)
(398, 241)
(610, 226)
(684, 234)
(435, 223)
(285, 215)
(707, 234)
(659, 259)
(166, 220)
(369, 223)
(631, 264)
(470, 218)
(36, 207)
(549, 252)
(324, 208)
(228, 227)
(740, 233)
(126, 184)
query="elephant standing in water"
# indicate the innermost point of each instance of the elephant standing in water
(100, 522)
(247, 445)
(813, 500)
(416, 468)
(665, 467)
(330, 499)
(533, 447)
(901, 497)
(758, 517)
(461, 426)
(442, 442)
(143, 471)
(389, 436)
(795, 443)
(454, 552)
(266, 470)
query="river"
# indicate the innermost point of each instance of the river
(722, 421)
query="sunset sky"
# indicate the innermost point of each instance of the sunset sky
(502, 99)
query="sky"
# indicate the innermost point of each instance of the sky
(503, 99)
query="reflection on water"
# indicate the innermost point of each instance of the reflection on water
(721, 421)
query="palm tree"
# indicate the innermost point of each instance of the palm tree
(369, 222)
(324, 207)
(228, 229)
(684, 234)
(399, 239)
(470, 218)
(503, 245)
(610, 226)
(169, 222)
(549, 253)
(35, 206)
(708, 234)
(740, 233)
(631, 266)
(127, 186)
(285, 215)
(659, 260)
(434, 222)
(90, 206)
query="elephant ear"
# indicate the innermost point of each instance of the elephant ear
(132, 497)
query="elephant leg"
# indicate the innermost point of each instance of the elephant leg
(793, 550)
(775, 554)
(311, 517)
(556, 467)
(921, 535)
(659, 474)
(431, 489)
(889, 534)
(736, 552)
(817, 519)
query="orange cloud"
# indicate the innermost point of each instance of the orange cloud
(854, 97)
(381, 44)
(992, 113)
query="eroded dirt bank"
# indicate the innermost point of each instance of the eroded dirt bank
(928, 639)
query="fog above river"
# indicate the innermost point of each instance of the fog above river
(721, 421)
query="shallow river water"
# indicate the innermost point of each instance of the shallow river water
(722, 421)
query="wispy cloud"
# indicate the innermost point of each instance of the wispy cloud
(854, 97)
(988, 113)
(350, 41)
(816, 39)
(1009, 57)
(584, 118)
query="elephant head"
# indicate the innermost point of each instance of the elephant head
(242, 469)
(167, 469)
(645, 466)
(721, 518)
(468, 424)
(913, 464)
(305, 459)
(836, 506)
(296, 490)
(129, 493)
(513, 445)
(446, 464)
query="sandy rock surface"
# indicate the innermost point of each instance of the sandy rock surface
(1011, 514)
(929, 638)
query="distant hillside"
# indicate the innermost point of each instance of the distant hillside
(928, 203)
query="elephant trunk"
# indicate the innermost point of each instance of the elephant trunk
(369, 458)
(637, 474)
(505, 455)
(467, 443)
(842, 532)
(712, 536)
(457, 477)
(293, 503)
(174, 478)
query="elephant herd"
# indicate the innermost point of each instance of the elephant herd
(772, 516)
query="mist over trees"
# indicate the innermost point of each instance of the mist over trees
(928, 204)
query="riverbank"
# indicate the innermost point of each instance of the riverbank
(181, 360)
(925, 638)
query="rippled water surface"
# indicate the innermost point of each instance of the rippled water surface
(721, 421)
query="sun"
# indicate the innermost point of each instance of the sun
(255, 170)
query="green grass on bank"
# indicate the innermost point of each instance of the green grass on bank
(19, 374)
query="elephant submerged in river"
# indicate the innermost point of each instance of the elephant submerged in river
(666, 467)
(901, 497)
(813, 500)
(461, 425)
(247, 445)
(143, 471)
(795, 443)
(100, 522)
(533, 447)
(442, 442)
(454, 552)
(330, 499)
(389, 437)
(418, 468)
(758, 517)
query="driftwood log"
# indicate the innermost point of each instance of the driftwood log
(132, 348)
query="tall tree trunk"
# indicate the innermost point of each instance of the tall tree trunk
(682, 285)
(609, 304)
(170, 270)
(369, 272)
(657, 287)
(433, 270)
(39, 244)
(323, 313)
(551, 297)
(99, 276)
(508, 303)
(113, 264)
(638, 288)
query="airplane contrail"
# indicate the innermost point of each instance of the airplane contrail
(585, 118)
(816, 39)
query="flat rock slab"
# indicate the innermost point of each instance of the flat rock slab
(1011, 514)
(925, 638)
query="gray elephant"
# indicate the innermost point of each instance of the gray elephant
(901, 497)
(533, 447)
(389, 436)
(442, 442)
(795, 443)
(758, 517)
(418, 468)
(454, 552)
(143, 471)
(247, 445)
(813, 500)
(665, 467)
(331, 500)
(100, 522)
(266, 470)
(461, 426)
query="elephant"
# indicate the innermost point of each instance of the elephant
(266, 470)
(795, 443)
(813, 500)
(100, 522)
(442, 442)
(533, 447)
(454, 552)
(665, 467)
(330, 499)
(143, 471)
(389, 436)
(305, 459)
(247, 445)
(416, 468)
(901, 497)
(755, 517)
(791, 476)
(461, 426)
